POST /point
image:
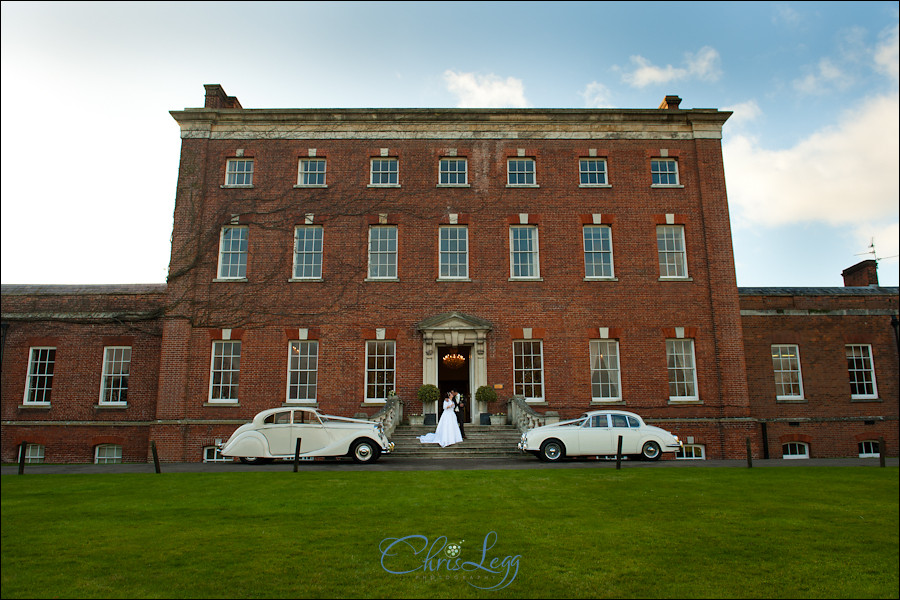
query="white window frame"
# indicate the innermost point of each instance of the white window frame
(449, 169)
(795, 446)
(453, 252)
(681, 366)
(861, 370)
(532, 253)
(34, 454)
(606, 238)
(308, 259)
(672, 251)
(528, 378)
(233, 174)
(521, 172)
(236, 264)
(657, 174)
(300, 376)
(216, 455)
(381, 370)
(786, 364)
(39, 383)
(605, 361)
(310, 178)
(697, 452)
(115, 377)
(107, 454)
(383, 253)
(391, 174)
(868, 449)
(225, 371)
(593, 168)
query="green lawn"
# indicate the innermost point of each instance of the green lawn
(693, 533)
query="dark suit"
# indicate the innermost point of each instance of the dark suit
(460, 409)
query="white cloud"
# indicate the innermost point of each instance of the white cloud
(596, 95)
(846, 175)
(827, 76)
(703, 66)
(886, 54)
(744, 112)
(486, 91)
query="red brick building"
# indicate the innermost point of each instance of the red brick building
(575, 258)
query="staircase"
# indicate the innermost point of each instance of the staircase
(482, 441)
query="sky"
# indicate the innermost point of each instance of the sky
(90, 153)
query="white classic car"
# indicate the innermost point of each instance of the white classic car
(274, 433)
(597, 433)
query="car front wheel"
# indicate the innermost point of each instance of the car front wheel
(651, 451)
(552, 451)
(364, 451)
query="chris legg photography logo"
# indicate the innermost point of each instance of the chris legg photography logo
(416, 554)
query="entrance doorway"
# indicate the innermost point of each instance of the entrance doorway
(454, 373)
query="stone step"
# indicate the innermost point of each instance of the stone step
(482, 441)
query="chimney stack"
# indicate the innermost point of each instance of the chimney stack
(217, 98)
(861, 274)
(670, 103)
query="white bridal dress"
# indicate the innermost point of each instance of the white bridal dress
(447, 431)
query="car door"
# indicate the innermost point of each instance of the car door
(312, 433)
(621, 426)
(277, 431)
(594, 437)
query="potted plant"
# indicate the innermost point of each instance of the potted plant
(487, 395)
(428, 395)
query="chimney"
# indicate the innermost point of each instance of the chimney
(861, 274)
(670, 103)
(217, 98)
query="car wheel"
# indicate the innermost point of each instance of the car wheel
(364, 451)
(651, 451)
(552, 451)
(255, 460)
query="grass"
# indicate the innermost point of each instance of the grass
(692, 533)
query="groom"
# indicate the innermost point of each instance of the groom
(460, 409)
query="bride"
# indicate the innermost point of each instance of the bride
(447, 431)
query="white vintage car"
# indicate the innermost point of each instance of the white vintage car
(274, 433)
(597, 433)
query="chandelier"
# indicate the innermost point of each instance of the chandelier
(454, 360)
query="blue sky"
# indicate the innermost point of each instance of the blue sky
(90, 153)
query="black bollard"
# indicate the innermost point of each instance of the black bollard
(297, 456)
(619, 454)
(23, 447)
(155, 456)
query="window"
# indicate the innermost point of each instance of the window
(34, 454)
(520, 171)
(867, 449)
(233, 253)
(598, 260)
(383, 252)
(379, 370)
(239, 172)
(212, 454)
(308, 252)
(385, 171)
(311, 172)
(795, 450)
(454, 251)
(106, 454)
(523, 251)
(786, 364)
(453, 171)
(226, 367)
(861, 371)
(691, 452)
(605, 378)
(682, 374)
(41, 363)
(672, 257)
(116, 368)
(592, 171)
(528, 369)
(664, 171)
(303, 365)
